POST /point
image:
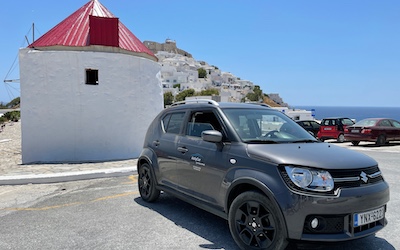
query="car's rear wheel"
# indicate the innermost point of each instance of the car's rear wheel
(256, 223)
(355, 143)
(340, 138)
(147, 183)
(381, 140)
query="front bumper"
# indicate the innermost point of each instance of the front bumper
(337, 213)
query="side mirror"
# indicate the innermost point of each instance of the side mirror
(211, 136)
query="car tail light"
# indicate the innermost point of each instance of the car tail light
(346, 130)
(366, 131)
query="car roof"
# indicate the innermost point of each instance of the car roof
(339, 117)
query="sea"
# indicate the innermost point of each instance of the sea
(356, 113)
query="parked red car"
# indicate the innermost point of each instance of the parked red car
(378, 130)
(333, 128)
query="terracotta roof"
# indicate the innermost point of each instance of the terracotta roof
(92, 22)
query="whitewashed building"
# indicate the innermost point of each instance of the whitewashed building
(89, 90)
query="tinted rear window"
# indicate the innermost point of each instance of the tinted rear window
(172, 122)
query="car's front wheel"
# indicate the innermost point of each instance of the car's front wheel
(255, 223)
(147, 183)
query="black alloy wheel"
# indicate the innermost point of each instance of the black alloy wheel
(255, 223)
(147, 184)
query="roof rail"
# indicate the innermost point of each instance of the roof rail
(260, 103)
(212, 102)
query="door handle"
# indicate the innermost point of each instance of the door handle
(183, 149)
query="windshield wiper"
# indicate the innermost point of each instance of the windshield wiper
(304, 141)
(262, 141)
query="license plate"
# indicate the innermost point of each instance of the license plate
(354, 131)
(368, 217)
(327, 128)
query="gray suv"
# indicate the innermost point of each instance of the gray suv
(265, 174)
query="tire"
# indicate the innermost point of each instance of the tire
(147, 183)
(256, 223)
(381, 140)
(355, 143)
(340, 138)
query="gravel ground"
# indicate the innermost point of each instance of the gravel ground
(10, 145)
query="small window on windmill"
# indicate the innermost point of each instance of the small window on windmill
(92, 76)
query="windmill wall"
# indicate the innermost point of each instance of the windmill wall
(64, 119)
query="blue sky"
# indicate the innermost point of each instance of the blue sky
(311, 52)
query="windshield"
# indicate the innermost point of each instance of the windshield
(266, 126)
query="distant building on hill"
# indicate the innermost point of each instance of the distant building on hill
(277, 99)
(168, 46)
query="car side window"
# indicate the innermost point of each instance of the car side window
(200, 121)
(172, 122)
(385, 123)
(396, 124)
(315, 125)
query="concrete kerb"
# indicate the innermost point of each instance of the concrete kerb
(66, 176)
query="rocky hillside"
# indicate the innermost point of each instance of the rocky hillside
(170, 46)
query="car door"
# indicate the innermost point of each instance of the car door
(202, 164)
(391, 131)
(165, 148)
(396, 126)
(315, 126)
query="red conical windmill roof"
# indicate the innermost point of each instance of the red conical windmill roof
(92, 25)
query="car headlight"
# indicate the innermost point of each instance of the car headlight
(310, 179)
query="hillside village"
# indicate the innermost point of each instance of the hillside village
(179, 72)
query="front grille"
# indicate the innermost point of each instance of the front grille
(345, 178)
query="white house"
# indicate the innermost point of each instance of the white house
(89, 90)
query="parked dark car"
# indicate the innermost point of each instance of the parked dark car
(255, 167)
(333, 128)
(378, 130)
(310, 125)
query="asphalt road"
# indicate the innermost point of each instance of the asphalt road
(108, 214)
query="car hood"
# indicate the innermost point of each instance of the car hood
(319, 155)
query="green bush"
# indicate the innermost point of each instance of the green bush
(13, 116)
(3, 120)
(202, 73)
(182, 95)
(168, 99)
